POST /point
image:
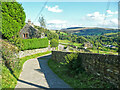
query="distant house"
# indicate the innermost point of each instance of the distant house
(88, 45)
(60, 47)
(28, 31)
(111, 46)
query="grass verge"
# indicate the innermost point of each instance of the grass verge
(82, 80)
(9, 80)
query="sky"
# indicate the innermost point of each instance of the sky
(59, 15)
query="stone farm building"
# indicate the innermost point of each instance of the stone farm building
(28, 31)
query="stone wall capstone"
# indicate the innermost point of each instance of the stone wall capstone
(105, 66)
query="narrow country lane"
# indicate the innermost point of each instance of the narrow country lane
(37, 74)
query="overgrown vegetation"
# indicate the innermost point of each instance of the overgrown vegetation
(34, 43)
(10, 64)
(8, 80)
(81, 79)
(74, 63)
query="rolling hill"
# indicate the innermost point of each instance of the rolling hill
(88, 30)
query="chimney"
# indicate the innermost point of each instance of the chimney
(29, 21)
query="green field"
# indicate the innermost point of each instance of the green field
(104, 52)
(63, 33)
(67, 42)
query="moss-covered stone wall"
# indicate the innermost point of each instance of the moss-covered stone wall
(105, 66)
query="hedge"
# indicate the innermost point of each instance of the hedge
(35, 43)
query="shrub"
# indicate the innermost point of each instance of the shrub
(74, 63)
(65, 47)
(9, 57)
(54, 43)
(35, 43)
(80, 47)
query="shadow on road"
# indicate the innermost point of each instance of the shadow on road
(39, 70)
(32, 84)
(52, 79)
(44, 57)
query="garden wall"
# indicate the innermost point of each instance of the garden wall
(105, 66)
(31, 52)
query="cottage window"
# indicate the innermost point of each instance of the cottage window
(25, 35)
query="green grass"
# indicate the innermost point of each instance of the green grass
(104, 52)
(67, 42)
(82, 80)
(64, 41)
(111, 34)
(63, 33)
(77, 44)
(54, 31)
(8, 79)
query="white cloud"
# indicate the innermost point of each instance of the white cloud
(56, 21)
(96, 16)
(54, 9)
(76, 25)
(56, 24)
(36, 23)
(98, 19)
(110, 12)
(111, 23)
(115, 21)
(62, 25)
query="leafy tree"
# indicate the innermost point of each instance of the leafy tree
(48, 33)
(13, 19)
(42, 22)
(54, 43)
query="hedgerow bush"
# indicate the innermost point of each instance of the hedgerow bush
(35, 43)
(10, 64)
(74, 63)
(9, 55)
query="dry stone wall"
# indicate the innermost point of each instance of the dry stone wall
(31, 52)
(105, 66)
